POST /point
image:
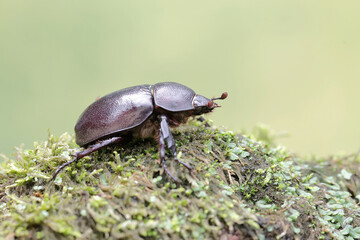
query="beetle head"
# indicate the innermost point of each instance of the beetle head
(205, 105)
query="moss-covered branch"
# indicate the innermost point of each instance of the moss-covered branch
(239, 188)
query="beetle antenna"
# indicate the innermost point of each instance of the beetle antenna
(223, 96)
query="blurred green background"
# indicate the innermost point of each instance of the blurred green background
(293, 65)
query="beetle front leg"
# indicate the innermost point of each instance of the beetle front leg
(164, 128)
(202, 119)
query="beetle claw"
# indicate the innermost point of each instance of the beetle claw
(168, 172)
(184, 164)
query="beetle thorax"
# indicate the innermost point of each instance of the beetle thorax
(177, 118)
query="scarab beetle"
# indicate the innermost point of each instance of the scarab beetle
(141, 111)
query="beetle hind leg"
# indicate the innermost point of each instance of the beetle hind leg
(90, 149)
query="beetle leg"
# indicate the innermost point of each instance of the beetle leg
(164, 127)
(162, 154)
(202, 119)
(90, 149)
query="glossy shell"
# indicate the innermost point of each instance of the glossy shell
(173, 97)
(114, 113)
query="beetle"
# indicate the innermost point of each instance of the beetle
(141, 111)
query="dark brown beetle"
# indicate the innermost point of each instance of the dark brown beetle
(142, 111)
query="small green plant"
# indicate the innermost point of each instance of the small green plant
(239, 186)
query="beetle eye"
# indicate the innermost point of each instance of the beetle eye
(210, 104)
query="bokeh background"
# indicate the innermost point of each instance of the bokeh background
(293, 65)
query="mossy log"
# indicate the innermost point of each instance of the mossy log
(240, 188)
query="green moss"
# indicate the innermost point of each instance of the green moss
(238, 187)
